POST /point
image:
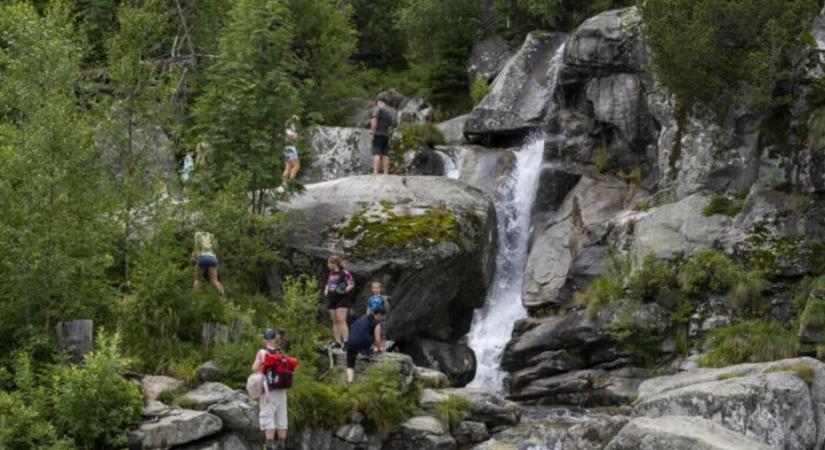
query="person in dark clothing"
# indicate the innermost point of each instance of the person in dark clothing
(365, 332)
(383, 119)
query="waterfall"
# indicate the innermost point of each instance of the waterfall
(453, 161)
(493, 325)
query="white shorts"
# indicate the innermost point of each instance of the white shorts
(273, 410)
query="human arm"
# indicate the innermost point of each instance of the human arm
(256, 366)
(374, 121)
(350, 280)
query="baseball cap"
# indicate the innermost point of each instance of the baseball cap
(270, 334)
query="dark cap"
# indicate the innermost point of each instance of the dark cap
(270, 334)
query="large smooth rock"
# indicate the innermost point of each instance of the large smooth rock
(455, 360)
(311, 439)
(453, 129)
(679, 228)
(484, 168)
(555, 183)
(590, 387)
(584, 219)
(338, 152)
(781, 403)
(487, 407)
(209, 394)
(680, 433)
(180, 426)
(487, 58)
(434, 285)
(520, 96)
(154, 385)
(611, 42)
(420, 433)
(230, 442)
(406, 368)
(620, 100)
(239, 414)
(469, 432)
(210, 371)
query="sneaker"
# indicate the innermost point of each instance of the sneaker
(335, 345)
(280, 190)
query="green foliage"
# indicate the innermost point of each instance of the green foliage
(637, 332)
(515, 19)
(249, 94)
(752, 341)
(723, 205)
(93, 403)
(746, 294)
(479, 90)
(606, 289)
(655, 281)
(317, 403)
(726, 54)
(410, 137)
(708, 271)
(453, 410)
(53, 230)
(379, 397)
(380, 43)
(24, 428)
(602, 157)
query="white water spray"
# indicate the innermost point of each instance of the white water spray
(453, 161)
(493, 326)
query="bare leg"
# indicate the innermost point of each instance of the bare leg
(350, 375)
(269, 433)
(285, 175)
(341, 314)
(295, 167)
(282, 434)
(213, 277)
(386, 160)
(335, 334)
(376, 164)
(196, 286)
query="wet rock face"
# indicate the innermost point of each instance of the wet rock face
(519, 97)
(456, 360)
(488, 58)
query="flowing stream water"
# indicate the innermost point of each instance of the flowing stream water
(493, 325)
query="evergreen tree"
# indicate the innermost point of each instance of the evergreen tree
(53, 230)
(380, 43)
(249, 95)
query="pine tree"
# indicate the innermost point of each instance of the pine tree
(249, 95)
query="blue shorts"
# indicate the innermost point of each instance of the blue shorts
(290, 153)
(206, 261)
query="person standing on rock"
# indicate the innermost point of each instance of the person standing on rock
(291, 162)
(203, 255)
(337, 292)
(383, 119)
(273, 405)
(366, 332)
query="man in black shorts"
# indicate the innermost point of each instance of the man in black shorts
(364, 333)
(383, 119)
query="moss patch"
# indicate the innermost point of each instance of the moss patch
(804, 371)
(378, 230)
(723, 205)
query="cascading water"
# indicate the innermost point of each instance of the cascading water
(493, 325)
(452, 162)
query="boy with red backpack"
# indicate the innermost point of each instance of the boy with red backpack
(277, 369)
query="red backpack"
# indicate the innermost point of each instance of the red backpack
(277, 369)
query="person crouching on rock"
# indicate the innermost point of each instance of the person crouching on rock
(339, 285)
(365, 332)
(206, 262)
(273, 406)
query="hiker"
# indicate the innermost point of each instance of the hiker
(383, 119)
(377, 300)
(291, 164)
(188, 166)
(339, 285)
(206, 262)
(366, 331)
(277, 367)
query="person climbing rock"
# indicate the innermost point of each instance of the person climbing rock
(291, 162)
(273, 363)
(366, 332)
(340, 284)
(188, 167)
(206, 262)
(383, 120)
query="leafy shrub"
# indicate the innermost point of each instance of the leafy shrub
(813, 315)
(24, 428)
(410, 137)
(723, 205)
(606, 289)
(378, 396)
(317, 403)
(752, 341)
(93, 403)
(656, 280)
(479, 90)
(453, 410)
(746, 294)
(637, 332)
(708, 271)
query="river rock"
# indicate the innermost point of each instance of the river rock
(154, 385)
(338, 152)
(435, 282)
(209, 394)
(487, 407)
(406, 368)
(432, 378)
(620, 101)
(230, 442)
(469, 432)
(610, 42)
(520, 95)
(311, 439)
(180, 426)
(780, 403)
(210, 371)
(455, 360)
(680, 433)
(420, 433)
(453, 129)
(555, 183)
(487, 59)
(485, 168)
(239, 414)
